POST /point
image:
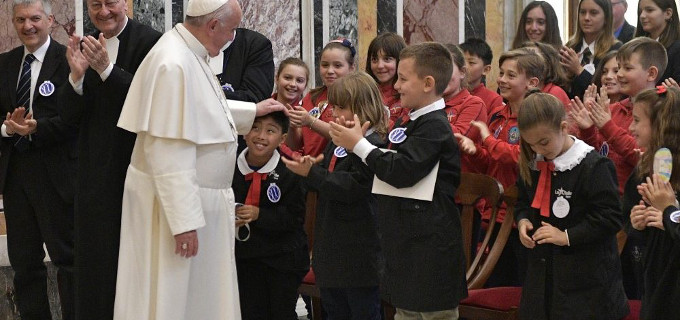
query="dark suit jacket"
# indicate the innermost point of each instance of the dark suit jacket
(673, 67)
(627, 32)
(248, 67)
(581, 82)
(54, 141)
(103, 157)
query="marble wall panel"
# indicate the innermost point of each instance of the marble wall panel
(177, 11)
(150, 13)
(475, 24)
(387, 16)
(279, 21)
(318, 39)
(431, 20)
(367, 28)
(64, 23)
(495, 22)
(343, 19)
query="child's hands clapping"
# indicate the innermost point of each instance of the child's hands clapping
(670, 82)
(549, 234)
(465, 144)
(299, 116)
(348, 137)
(483, 129)
(654, 218)
(657, 192)
(579, 114)
(302, 165)
(637, 216)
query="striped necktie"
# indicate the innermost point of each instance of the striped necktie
(586, 57)
(24, 86)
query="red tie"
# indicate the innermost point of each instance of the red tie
(543, 189)
(331, 166)
(253, 197)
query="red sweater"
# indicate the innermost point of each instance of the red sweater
(499, 153)
(559, 93)
(615, 141)
(390, 98)
(491, 99)
(312, 142)
(460, 110)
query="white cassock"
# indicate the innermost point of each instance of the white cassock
(179, 179)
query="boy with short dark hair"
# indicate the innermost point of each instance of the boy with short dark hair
(272, 254)
(424, 274)
(478, 57)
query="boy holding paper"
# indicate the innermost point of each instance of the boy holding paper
(424, 276)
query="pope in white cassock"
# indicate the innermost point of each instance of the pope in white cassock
(178, 186)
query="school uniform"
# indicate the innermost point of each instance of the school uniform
(390, 98)
(661, 278)
(284, 149)
(625, 33)
(273, 260)
(580, 82)
(491, 99)
(312, 142)
(346, 249)
(583, 279)
(615, 141)
(673, 67)
(421, 240)
(460, 110)
(635, 248)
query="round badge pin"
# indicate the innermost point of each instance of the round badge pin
(604, 149)
(340, 152)
(663, 163)
(274, 193)
(46, 89)
(228, 87)
(513, 135)
(397, 135)
(561, 207)
(315, 112)
(675, 216)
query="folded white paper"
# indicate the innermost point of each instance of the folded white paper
(423, 190)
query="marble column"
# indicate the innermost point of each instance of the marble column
(64, 23)
(494, 22)
(367, 29)
(475, 24)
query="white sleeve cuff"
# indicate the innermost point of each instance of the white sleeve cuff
(3, 130)
(107, 72)
(567, 233)
(363, 148)
(77, 85)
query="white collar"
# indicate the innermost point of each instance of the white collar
(194, 45)
(369, 132)
(591, 46)
(267, 168)
(437, 105)
(119, 32)
(40, 52)
(569, 159)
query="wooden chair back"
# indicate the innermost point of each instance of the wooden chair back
(474, 187)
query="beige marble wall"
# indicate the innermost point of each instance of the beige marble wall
(431, 20)
(64, 22)
(277, 20)
(494, 22)
(367, 28)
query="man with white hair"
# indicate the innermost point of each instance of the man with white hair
(178, 185)
(622, 29)
(37, 171)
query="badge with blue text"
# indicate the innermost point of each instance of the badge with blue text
(340, 152)
(315, 112)
(228, 87)
(604, 149)
(46, 89)
(274, 193)
(675, 216)
(397, 135)
(513, 135)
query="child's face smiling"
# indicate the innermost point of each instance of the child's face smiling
(334, 65)
(641, 126)
(632, 76)
(609, 71)
(410, 86)
(512, 83)
(291, 82)
(384, 67)
(264, 137)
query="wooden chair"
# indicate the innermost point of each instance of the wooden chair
(492, 303)
(308, 286)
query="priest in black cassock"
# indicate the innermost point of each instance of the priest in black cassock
(102, 66)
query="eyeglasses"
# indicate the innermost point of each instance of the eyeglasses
(96, 6)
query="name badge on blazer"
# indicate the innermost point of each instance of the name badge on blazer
(46, 89)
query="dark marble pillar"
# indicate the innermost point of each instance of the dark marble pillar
(475, 19)
(387, 16)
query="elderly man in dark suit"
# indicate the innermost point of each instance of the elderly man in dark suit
(37, 161)
(622, 29)
(247, 67)
(102, 66)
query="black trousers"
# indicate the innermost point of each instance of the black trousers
(36, 214)
(266, 292)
